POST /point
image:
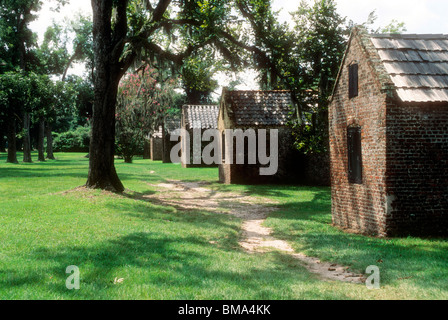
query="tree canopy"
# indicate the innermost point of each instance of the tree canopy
(188, 39)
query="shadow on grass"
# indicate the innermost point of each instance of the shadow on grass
(159, 210)
(423, 263)
(150, 262)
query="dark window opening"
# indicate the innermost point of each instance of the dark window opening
(223, 146)
(354, 155)
(353, 81)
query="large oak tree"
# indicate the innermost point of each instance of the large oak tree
(124, 31)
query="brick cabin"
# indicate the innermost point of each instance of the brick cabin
(200, 117)
(257, 110)
(171, 127)
(388, 120)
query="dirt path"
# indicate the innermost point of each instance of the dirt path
(255, 237)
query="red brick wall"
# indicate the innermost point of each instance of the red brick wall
(417, 169)
(360, 207)
(404, 190)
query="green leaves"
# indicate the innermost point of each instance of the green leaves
(143, 102)
(34, 93)
(15, 92)
(197, 77)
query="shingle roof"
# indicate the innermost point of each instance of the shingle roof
(260, 108)
(173, 125)
(201, 116)
(417, 65)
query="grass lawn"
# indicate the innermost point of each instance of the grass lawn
(164, 253)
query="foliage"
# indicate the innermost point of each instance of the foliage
(76, 140)
(305, 60)
(83, 42)
(142, 105)
(36, 94)
(197, 77)
(53, 53)
(17, 41)
(83, 100)
(321, 35)
(14, 94)
(394, 26)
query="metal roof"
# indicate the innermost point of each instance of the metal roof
(417, 65)
(260, 108)
(200, 116)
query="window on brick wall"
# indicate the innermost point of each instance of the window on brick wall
(354, 155)
(223, 146)
(353, 81)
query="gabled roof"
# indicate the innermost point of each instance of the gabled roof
(417, 65)
(412, 67)
(173, 125)
(200, 116)
(259, 108)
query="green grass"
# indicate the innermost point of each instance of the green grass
(165, 253)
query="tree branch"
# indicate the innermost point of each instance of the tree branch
(120, 29)
(160, 10)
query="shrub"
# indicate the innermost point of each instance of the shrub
(76, 140)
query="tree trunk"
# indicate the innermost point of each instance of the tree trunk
(102, 173)
(26, 138)
(12, 149)
(40, 142)
(128, 159)
(50, 154)
(108, 45)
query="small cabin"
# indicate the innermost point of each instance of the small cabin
(195, 120)
(257, 110)
(388, 122)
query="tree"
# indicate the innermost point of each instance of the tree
(197, 77)
(55, 60)
(81, 27)
(14, 88)
(123, 31)
(172, 32)
(39, 103)
(143, 102)
(109, 33)
(321, 40)
(17, 40)
(58, 101)
(17, 47)
(83, 100)
(53, 53)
